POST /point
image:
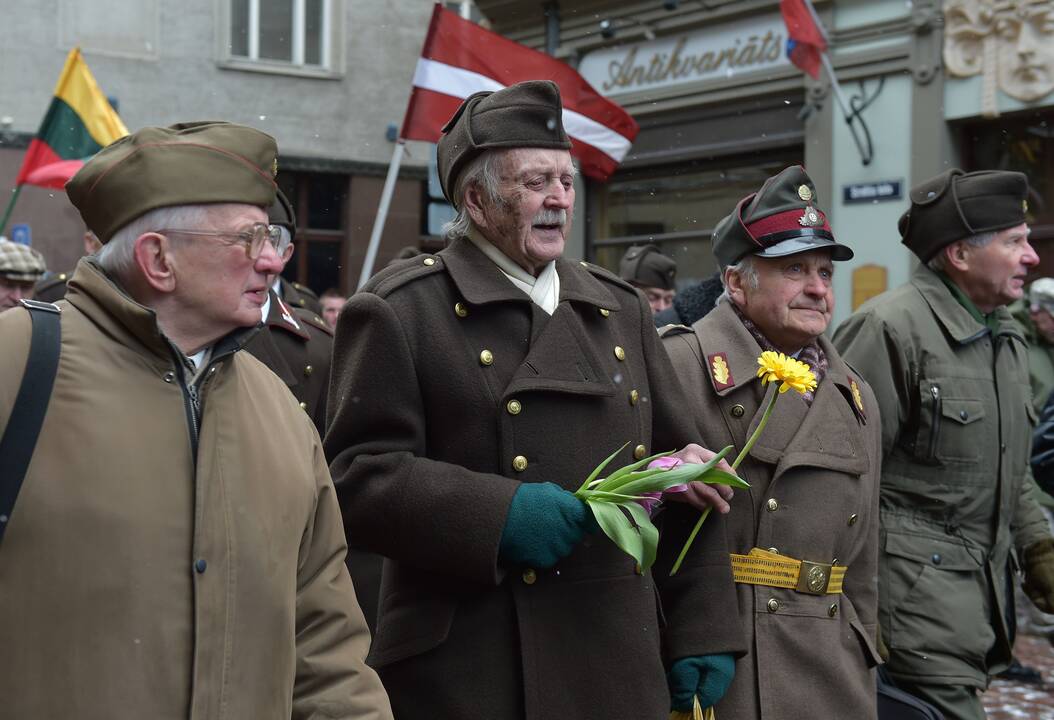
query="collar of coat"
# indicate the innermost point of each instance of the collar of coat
(820, 435)
(480, 281)
(107, 304)
(957, 320)
(280, 315)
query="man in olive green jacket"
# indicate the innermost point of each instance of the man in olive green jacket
(949, 367)
(1036, 316)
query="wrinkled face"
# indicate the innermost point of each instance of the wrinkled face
(794, 298)
(1044, 323)
(218, 286)
(11, 291)
(658, 298)
(533, 217)
(994, 275)
(1025, 32)
(331, 307)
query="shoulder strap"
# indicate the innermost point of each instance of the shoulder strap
(31, 404)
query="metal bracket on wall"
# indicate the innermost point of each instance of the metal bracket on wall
(927, 21)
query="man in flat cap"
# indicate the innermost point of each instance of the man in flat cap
(647, 268)
(813, 473)
(176, 547)
(950, 371)
(472, 390)
(20, 268)
(1035, 314)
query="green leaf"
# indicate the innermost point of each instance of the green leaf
(605, 496)
(679, 475)
(649, 535)
(600, 468)
(617, 526)
(615, 479)
(720, 477)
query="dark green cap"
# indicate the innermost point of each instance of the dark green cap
(956, 205)
(782, 218)
(185, 164)
(527, 114)
(645, 265)
(281, 213)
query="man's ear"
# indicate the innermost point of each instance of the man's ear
(957, 255)
(734, 284)
(153, 256)
(474, 203)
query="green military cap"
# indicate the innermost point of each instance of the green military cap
(185, 164)
(645, 265)
(780, 219)
(956, 205)
(527, 114)
(281, 213)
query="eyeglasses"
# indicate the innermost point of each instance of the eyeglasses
(253, 239)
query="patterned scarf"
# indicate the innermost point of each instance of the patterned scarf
(812, 354)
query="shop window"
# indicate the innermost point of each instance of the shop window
(282, 35)
(320, 201)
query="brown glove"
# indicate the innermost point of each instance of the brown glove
(1039, 574)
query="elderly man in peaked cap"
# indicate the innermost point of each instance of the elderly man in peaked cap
(20, 268)
(950, 371)
(813, 474)
(473, 390)
(176, 548)
(645, 267)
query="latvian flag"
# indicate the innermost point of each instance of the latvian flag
(460, 58)
(79, 122)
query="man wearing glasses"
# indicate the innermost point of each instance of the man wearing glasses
(176, 548)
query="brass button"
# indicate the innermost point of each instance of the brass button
(519, 463)
(486, 358)
(774, 551)
(604, 312)
(634, 397)
(514, 407)
(737, 410)
(529, 576)
(213, 369)
(639, 452)
(429, 261)
(303, 406)
(852, 519)
(772, 505)
(308, 370)
(620, 353)
(773, 604)
(833, 610)
(62, 276)
(169, 376)
(460, 310)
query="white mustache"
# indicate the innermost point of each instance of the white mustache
(550, 217)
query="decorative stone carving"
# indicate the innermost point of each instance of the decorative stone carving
(1010, 43)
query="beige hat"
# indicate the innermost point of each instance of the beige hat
(20, 263)
(1041, 294)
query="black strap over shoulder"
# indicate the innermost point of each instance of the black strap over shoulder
(31, 404)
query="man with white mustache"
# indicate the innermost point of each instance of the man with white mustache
(472, 392)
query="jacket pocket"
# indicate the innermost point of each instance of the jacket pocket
(410, 624)
(949, 428)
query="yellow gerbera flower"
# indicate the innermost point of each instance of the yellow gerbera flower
(791, 373)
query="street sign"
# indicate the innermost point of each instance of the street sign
(21, 234)
(871, 192)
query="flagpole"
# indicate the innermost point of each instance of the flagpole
(10, 207)
(382, 213)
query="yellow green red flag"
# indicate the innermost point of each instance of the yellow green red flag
(79, 122)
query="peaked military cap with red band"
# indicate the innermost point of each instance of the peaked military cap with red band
(780, 219)
(956, 205)
(527, 114)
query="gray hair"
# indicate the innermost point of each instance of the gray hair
(482, 172)
(117, 257)
(744, 268)
(939, 261)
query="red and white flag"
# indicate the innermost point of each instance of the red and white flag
(460, 58)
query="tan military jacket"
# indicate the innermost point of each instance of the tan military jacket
(813, 496)
(957, 496)
(145, 574)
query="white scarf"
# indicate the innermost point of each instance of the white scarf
(543, 290)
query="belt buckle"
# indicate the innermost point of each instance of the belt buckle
(813, 578)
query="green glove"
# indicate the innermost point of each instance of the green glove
(1039, 574)
(707, 676)
(544, 524)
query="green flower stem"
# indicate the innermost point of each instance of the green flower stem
(739, 458)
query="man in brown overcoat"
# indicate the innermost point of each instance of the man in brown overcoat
(471, 390)
(813, 474)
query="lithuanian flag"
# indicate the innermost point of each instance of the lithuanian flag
(80, 121)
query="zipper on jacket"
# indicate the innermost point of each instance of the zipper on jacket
(935, 393)
(193, 407)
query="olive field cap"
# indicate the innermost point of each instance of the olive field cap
(647, 266)
(525, 115)
(186, 164)
(281, 213)
(779, 219)
(20, 263)
(957, 205)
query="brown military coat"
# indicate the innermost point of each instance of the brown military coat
(51, 289)
(147, 575)
(423, 435)
(299, 296)
(814, 496)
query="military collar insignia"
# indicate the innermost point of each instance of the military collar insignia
(810, 217)
(857, 399)
(719, 372)
(274, 168)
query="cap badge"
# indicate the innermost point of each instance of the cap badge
(719, 371)
(810, 218)
(274, 168)
(1024, 206)
(805, 192)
